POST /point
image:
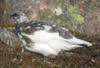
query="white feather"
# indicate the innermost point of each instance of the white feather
(47, 27)
(48, 43)
(75, 40)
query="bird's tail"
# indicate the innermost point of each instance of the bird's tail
(80, 42)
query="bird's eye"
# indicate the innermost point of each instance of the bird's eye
(15, 15)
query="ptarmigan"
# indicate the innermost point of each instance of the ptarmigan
(45, 38)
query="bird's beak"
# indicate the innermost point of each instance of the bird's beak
(11, 15)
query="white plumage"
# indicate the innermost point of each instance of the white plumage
(48, 43)
(46, 39)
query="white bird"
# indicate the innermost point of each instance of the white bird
(45, 38)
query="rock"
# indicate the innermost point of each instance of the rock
(25, 6)
(9, 38)
(58, 11)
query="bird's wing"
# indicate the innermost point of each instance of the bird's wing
(31, 27)
(24, 29)
(63, 32)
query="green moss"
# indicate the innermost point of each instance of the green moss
(72, 9)
(74, 13)
(91, 4)
(77, 19)
(49, 16)
(58, 21)
(60, 3)
(5, 12)
(69, 65)
(46, 15)
(6, 25)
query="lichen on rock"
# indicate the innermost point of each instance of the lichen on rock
(9, 38)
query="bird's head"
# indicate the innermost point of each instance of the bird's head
(19, 17)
